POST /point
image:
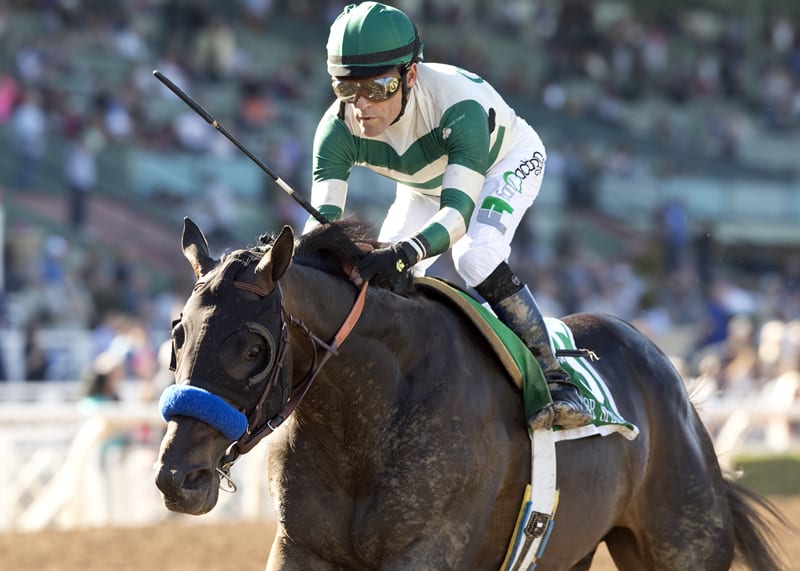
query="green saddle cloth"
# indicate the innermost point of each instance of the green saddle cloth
(525, 371)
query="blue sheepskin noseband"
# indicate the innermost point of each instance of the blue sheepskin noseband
(185, 400)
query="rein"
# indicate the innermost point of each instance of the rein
(258, 428)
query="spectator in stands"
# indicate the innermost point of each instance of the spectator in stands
(80, 174)
(256, 107)
(36, 359)
(219, 200)
(102, 382)
(715, 318)
(9, 93)
(674, 235)
(256, 12)
(101, 387)
(573, 272)
(580, 176)
(288, 157)
(184, 18)
(740, 375)
(215, 51)
(772, 347)
(29, 134)
(704, 250)
(163, 377)
(119, 115)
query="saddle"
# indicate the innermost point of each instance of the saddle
(524, 371)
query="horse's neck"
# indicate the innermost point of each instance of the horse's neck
(358, 385)
(319, 300)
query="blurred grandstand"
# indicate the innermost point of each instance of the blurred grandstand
(671, 199)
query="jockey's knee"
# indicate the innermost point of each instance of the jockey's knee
(474, 264)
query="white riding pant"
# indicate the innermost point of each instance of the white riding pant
(508, 191)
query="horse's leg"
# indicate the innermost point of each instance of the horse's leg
(625, 551)
(584, 564)
(656, 553)
(288, 556)
(680, 519)
(427, 552)
(676, 517)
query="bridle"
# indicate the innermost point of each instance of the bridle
(258, 425)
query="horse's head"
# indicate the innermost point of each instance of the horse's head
(228, 357)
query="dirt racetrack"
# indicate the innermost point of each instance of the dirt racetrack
(208, 547)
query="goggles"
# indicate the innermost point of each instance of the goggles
(376, 89)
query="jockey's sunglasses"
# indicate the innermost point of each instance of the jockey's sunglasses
(374, 89)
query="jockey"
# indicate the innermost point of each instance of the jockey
(466, 167)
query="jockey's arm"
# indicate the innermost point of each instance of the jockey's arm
(465, 135)
(334, 157)
(328, 197)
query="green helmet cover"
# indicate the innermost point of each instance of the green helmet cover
(369, 39)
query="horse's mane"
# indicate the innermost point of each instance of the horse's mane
(332, 247)
(343, 242)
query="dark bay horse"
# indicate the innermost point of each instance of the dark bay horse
(409, 451)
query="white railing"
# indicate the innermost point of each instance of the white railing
(66, 468)
(68, 350)
(759, 422)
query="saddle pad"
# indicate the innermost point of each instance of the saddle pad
(526, 373)
(607, 418)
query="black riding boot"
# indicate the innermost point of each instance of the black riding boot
(519, 311)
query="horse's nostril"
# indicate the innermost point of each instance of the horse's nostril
(169, 481)
(197, 479)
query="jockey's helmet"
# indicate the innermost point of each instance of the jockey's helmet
(369, 39)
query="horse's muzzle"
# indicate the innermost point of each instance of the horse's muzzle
(192, 491)
(186, 468)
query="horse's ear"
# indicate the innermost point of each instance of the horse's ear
(195, 248)
(276, 261)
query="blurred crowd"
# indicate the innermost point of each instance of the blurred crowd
(83, 69)
(80, 72)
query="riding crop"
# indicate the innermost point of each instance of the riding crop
(214, 123)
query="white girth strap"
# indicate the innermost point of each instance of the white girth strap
(539, 505)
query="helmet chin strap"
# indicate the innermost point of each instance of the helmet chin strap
(403, 92)
(416, 56)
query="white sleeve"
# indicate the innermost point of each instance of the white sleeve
(329, 197)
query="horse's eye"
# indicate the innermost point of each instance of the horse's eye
(258, 356)
(259, 353)
(253, 353)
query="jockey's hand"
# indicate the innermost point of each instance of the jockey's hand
(383, 265)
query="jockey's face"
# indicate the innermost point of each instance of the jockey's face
(375, 116)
